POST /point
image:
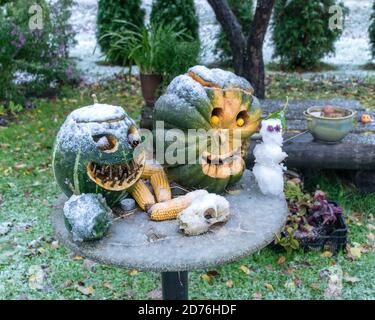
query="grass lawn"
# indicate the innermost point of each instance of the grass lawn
(35, 266)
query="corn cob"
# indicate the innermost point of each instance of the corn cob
(170, 209)
(159, 181)
(150, 169)
(160, 184)
(142, 195)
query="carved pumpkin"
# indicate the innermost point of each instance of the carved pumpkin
(210, 99)
(94, 152)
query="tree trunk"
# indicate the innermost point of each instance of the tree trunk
(233, 30)
(254, 63)
(247, 53)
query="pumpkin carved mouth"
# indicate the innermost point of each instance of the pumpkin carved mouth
(115, 177)
(222, 166)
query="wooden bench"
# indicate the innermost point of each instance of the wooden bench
(356, 152)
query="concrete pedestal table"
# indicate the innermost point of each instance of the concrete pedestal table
(136, 242)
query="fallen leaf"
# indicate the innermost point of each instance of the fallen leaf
(77, 258)
(357, 217)
(268, 286)
(314, 286)
(350, 279)
(326, 254)
(36, 277)
(132, 272)
(297, 282)
(206, 278)
(234, 191)
(289, 270)
(245, 269)
(229, 283)
(85, 290)
(36, 243)
(89, 265)
(290, 285)
(20, 166)
(66, 284)
(334, 288)
(55, 244)
(257, 296)
(281, 260)
(213, 273)
(371, 236)
(107, 285)
(353, 253)
(155, 294)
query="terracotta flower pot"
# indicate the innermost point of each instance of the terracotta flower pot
(149, 85)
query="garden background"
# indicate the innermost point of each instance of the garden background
(45, 75)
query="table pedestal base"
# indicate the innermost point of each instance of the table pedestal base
(174, 285)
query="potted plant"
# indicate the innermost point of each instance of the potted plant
(150, 48)
(314, 222)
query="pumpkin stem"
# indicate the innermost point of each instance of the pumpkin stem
(95, 98)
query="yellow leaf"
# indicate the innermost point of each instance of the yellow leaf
(326, 254)
(132, 272)
(107, 285)
(77, 258)
(268, 286)
(245, 269)
(86, 290)
(350, 279)
(354, 253)
(371, 236)
(290, 285)
(281, 260)
(314, 286)
(229, 283)
(205, 277)
(257, 296)
(55, 244)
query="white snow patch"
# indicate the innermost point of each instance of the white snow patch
(83, 213)
(352, 50)
(98, 113)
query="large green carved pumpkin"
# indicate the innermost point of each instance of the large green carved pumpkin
(215, 100)
(94, 152)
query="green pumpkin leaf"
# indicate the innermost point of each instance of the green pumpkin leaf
(280, 115)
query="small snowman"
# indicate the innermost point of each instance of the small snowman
(268, 170)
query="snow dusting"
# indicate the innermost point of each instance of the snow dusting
(98, 113)
(88, 216)
(221, 77)
(352, 49)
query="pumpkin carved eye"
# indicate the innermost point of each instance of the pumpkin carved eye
(106, 143)
(134, 138)
(242, 118)
(215, 116)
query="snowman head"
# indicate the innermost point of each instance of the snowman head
(271, 131)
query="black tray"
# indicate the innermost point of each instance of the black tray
(334, 241)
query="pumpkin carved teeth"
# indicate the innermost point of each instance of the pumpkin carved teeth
(222, 166)
(115, 176)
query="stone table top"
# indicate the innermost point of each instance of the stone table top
(136, 242)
